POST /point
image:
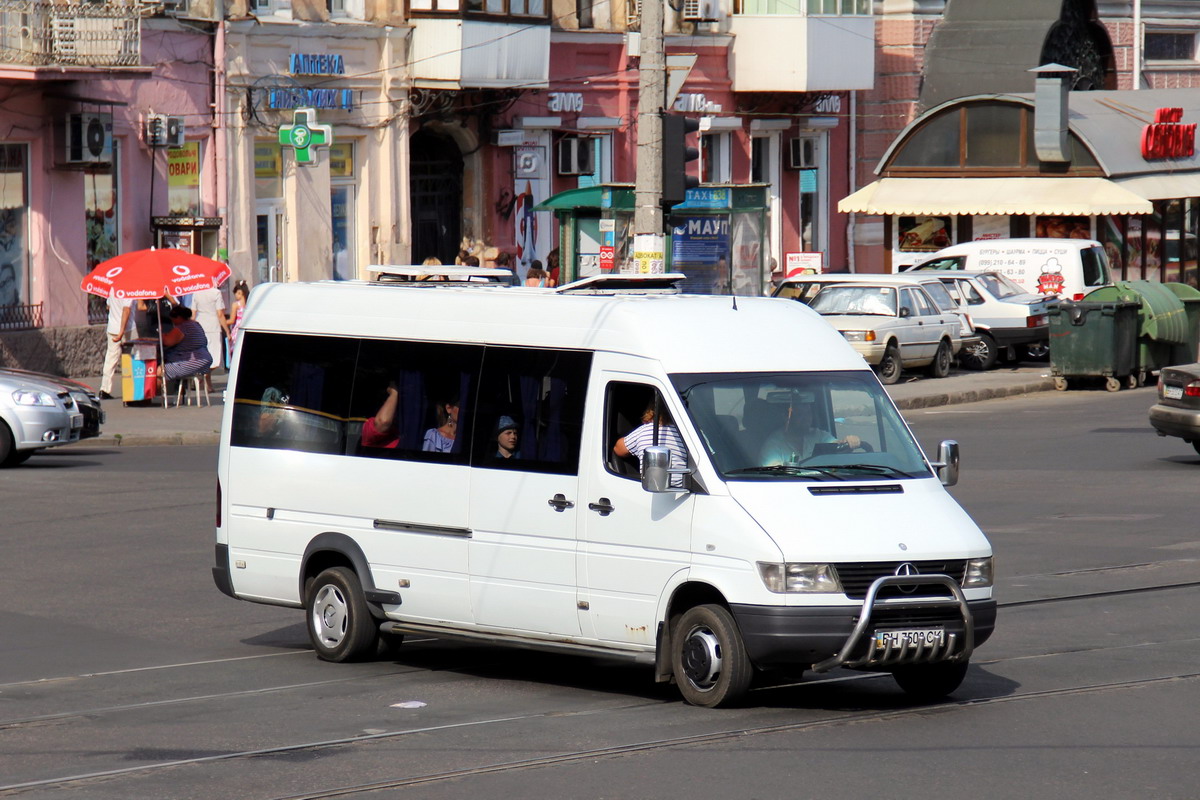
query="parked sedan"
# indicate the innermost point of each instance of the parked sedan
(1177, 412)
(85, 397)
(893, 326)
(35, 413)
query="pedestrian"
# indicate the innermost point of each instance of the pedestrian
(120, 326)
(241, 292)
(552, 268)
(208, 309)
(187, 346)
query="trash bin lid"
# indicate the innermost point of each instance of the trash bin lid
(1162, 317)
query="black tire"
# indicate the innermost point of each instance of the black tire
(1036, 352)
(940, 366)
(709, 658)
(929, 682)
(7, 450)
(1196, 447)
(340, 625)
(980, 356)
(890, 366)
(18, 457)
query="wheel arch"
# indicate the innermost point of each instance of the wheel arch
(332, 549)
(685, 596)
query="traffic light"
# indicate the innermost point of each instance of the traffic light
(675, 157)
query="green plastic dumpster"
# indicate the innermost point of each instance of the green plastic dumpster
(1094, 340)
(1187, 353)
(1162, 321)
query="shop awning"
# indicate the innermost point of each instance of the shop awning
(584, 197)
(1164, 186)
(1042, 196)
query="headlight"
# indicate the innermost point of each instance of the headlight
(25, 397)
(979, 573)
(859, 336)
(795, 577)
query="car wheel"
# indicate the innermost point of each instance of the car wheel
(340, 625)
(889, 366)
(981, 355)
(940, 366)
(1196, 446)
(1037, 352)
(929, 682)
(8, 452)
(709, 658)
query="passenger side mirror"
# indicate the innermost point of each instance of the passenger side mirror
(657, 470)
(946, 467)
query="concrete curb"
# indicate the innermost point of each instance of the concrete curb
(154, 439)
(975, 395)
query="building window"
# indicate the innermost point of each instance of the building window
(498, 8)
(341, 210)
(806, 156)
(805, 7)
(102, 222)
(714, 158)
(1170, 46)
(15, 308)
(583, 11)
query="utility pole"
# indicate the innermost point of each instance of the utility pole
(647, 192)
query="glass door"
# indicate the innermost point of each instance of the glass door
(269, 243)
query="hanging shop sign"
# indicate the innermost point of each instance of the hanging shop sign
(1168, 136)
(183, 179)
(304, 136)
(568, 102)
(299, 97)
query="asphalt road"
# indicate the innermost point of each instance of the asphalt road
(125, 674)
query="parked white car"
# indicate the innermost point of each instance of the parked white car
(34, 414)
(894, 326)
(1005, 315)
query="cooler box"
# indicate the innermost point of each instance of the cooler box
(139, 370)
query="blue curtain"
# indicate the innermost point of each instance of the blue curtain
(551, 447)
(410, 411)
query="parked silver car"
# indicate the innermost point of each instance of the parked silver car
(35, 413)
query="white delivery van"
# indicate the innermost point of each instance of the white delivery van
(1068, 268)
(416, 458)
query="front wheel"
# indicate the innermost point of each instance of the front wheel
(889, 366)
(929, 682)
(940, 366)
(340, 625)
(709, 658)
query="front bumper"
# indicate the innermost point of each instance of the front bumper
(789, 636)
(1173, 421)
(46, 427)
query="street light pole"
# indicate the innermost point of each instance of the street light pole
(648, 215)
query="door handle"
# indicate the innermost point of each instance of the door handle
(560, 503)
(604, 507)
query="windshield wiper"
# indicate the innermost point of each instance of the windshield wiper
(785, 469)
(855, 314)
(876, 468)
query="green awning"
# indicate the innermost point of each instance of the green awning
(588, 197)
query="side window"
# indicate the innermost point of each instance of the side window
(940, 295)
(635, 417)
(530, 411)
(412, 400)
(908, 303)
(293, 392)
(1093, 266)
(972, 295)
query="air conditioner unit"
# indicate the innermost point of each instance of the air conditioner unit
(89, 138)
(575, 156)
(701, 10)
(802, 153)
(176, 132)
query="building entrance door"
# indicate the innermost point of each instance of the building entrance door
(269, 243)
(436, 178)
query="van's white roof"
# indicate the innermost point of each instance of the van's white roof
(686, 333)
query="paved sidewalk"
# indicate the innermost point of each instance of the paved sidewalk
(128, 426)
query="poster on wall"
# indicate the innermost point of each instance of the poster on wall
(532, 229)
(989, 226)
(700, 250)
(183, 180)
(746, 250)
(1063, 227)
(923, 234)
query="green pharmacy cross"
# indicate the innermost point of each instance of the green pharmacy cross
(304, 135)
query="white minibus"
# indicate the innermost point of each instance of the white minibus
(713, 486)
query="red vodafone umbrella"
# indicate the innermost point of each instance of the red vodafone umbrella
(145, 274)
(154, 273)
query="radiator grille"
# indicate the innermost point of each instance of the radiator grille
(856, 578)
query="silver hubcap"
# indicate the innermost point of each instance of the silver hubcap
(702, 658)
(329, 616)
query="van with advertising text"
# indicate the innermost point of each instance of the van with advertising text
(610, 468)
(1066, 268)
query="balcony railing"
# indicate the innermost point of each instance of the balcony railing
(37, 33)
(20, 317)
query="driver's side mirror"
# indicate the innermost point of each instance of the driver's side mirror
(657, 470)
(905, 311)
(946, 467)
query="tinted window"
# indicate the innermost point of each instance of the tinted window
(293, 392)
(535, 400)
(1094, 271)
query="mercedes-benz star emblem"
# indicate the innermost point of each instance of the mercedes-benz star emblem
(905, 570)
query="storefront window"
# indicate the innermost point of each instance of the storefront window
(268, 181)
(14, 236)
(341, 203)
(924, 234)
(936, 144)
(714, 158)
(102, 222)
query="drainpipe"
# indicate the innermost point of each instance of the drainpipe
(1137, 44)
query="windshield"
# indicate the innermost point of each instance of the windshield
(801, 426)
(1000, 286)
(855, 300)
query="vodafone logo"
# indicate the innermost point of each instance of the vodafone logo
(181, 270)
(114, 272)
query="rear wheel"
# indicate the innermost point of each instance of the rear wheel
(981, 355)
(928, 682)
(940, 366)
(889, 365)
(708, 657)
(340, 625)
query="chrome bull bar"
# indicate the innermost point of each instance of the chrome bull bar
(950, 650)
